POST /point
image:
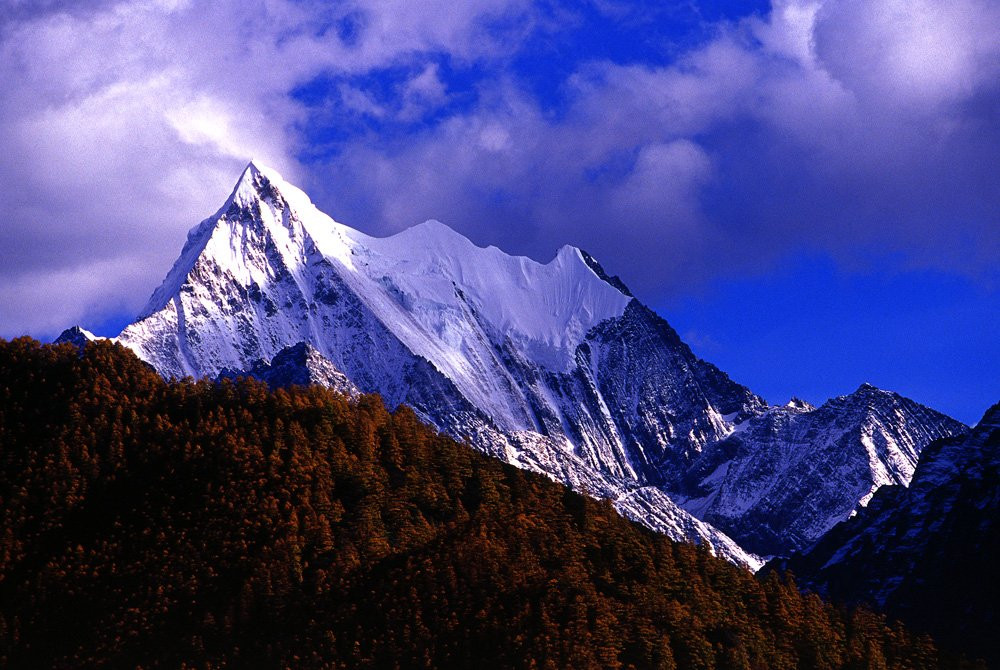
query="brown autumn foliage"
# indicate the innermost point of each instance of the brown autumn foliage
(195, 524)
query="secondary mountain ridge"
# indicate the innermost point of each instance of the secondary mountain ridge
(927, 553)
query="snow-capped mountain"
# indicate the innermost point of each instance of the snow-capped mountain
(534, 363)
(554, 366)
(928, 553)
(768, 484)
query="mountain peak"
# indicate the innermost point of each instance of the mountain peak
(259, 182)
(868, 389)
(417, 282)
(253, 175)
(432, 232)
(799, 404)
(991, 419)
(254, 184)
(255, 169)
(867, 392)
(599, 271)
(76, 335)
(434, 227)
(261, 197)
(255, 164)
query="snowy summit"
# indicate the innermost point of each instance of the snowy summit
(553, 367)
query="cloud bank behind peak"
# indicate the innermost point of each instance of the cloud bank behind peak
(716, 146)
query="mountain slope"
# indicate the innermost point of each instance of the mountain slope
(497, 349)
(269, 271)
(554, 367)
(155, 524)
(785, 478)
(297, 365)
(928, 553)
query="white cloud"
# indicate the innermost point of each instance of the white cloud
(778, 133)
(124, 123)
(129, 121)
(916, 51)
(50, 300)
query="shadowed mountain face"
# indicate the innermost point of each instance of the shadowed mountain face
(297, 365)
(928, 553)
(77, 336)
(553, 367)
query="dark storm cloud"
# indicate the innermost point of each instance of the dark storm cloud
(842, 126)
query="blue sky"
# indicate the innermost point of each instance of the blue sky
(813, 330)
(807, 190)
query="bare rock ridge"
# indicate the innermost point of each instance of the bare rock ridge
(832, 459)
(297, 365)
(76, 335)
(927, 553)
(554, 367)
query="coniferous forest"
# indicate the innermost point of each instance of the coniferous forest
(210, 525)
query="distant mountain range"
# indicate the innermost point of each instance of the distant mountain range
(553, 367)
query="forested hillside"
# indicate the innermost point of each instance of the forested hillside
(147, 523)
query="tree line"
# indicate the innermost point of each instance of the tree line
(146, 523)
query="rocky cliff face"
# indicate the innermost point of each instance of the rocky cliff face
(297, 365)
(554, 367)
(77, 336)
(786, 477)
(927, 553)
